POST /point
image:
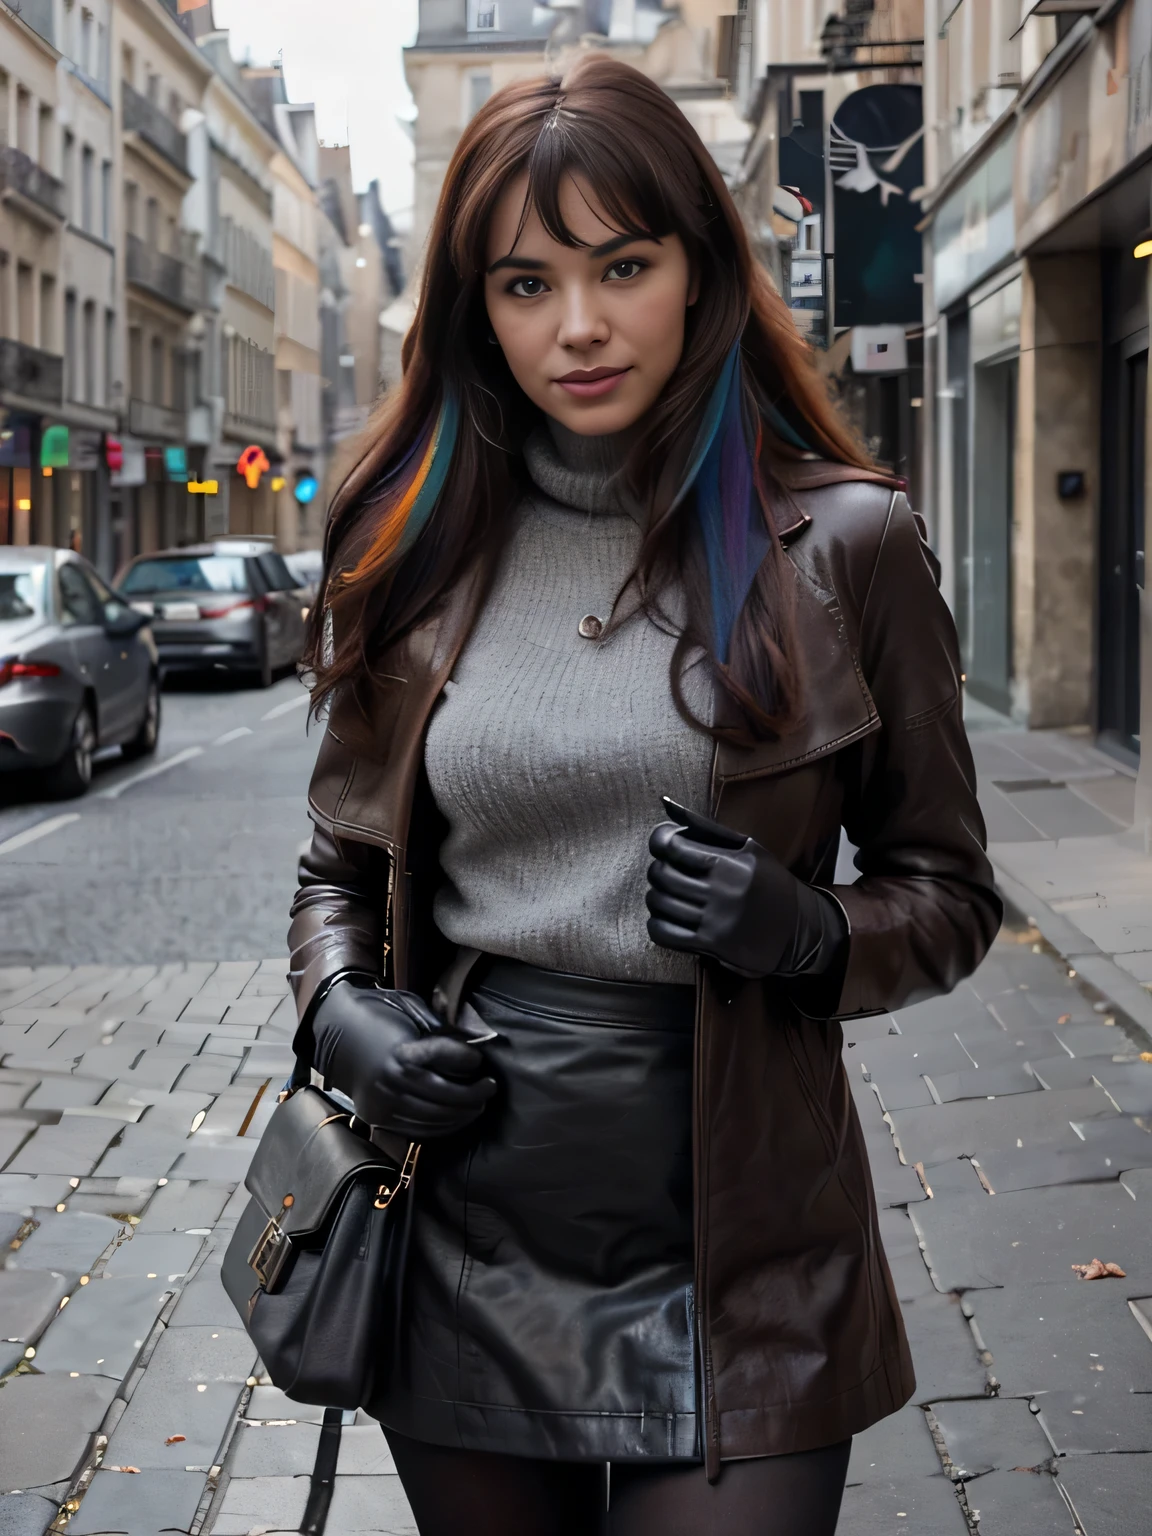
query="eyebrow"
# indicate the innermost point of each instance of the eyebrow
(530, 264)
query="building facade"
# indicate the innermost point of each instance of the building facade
(33, 217)
(159, 79)
(1039, 195)
(169, 270)
(296, 261)
(466, 49)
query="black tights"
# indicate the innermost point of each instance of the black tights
(484, 1494)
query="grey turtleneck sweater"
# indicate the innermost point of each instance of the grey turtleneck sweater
(549, 751)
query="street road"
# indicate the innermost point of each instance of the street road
(187, 855)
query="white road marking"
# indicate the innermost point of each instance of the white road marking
(150, 773)
(41, 829)
(241, 730)
(282, 709)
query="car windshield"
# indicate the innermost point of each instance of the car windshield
(187, 573)
(21, 594)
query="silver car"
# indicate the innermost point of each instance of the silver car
(232, 606)
(78, 669)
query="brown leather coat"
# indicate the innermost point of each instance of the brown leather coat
(800, 1338)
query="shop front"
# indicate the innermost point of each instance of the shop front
(1083, 203)
(976, 286)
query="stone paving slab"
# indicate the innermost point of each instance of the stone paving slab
(1096, 1419)
(145, 1504)
(268, 1504)
(1108, 1493)
(225, 1033)
(46, 1424)
(972, 1241)
(103, 1328)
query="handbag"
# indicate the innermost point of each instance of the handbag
(316, 1263)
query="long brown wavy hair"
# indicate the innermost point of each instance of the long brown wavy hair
(610, 125)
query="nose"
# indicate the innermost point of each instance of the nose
(582, 323)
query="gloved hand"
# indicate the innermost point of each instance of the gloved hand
(714, 892)
(394, 1059)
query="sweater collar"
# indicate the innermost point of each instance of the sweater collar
(580, 472)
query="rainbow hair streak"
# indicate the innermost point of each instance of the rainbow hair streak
(722, 472)
(407, 515)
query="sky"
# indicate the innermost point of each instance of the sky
(345, 55)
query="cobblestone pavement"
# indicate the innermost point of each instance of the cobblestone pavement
(1008, 1130)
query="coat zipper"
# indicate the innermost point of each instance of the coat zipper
(710, 1428)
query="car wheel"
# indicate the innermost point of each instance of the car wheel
(145, 740)
(72, 775)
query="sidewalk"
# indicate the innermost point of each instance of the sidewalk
(1025, 1105)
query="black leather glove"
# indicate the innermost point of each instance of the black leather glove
(717, 893)
(396, 1061)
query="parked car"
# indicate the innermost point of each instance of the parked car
(307, 565)
(231, 605)
(78, 669)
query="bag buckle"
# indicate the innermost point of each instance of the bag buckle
(270, 1254)
(385, 1195)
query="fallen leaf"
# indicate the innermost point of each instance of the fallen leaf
(1146, 1055)
(1099, 1271)
(175, 1439)
(1065, 1018)
(122, 1469)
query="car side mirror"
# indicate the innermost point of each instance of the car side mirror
(123, 622)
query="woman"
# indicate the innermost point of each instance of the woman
(612, 543)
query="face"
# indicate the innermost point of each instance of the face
(592, 333)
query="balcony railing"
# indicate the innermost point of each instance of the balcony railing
(19, 173)
(145, 118)
(30, 373)
(166, 276)
(151, 421)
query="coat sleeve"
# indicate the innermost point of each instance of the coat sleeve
(925, 909)
(337, 917)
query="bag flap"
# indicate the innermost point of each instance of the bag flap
(306, 1158)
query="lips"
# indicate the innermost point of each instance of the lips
(591, 382)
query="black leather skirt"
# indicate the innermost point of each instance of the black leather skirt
(548, 1300)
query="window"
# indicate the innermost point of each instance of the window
(131, 206)
(5, 302)
(136, 362)
(86, 61)
(78, 603)
(157, 371)
(5, 98)
(21, 594)
(71, 372)
(68, 172)
(106, 200)
(479, 90)
(153, 90)
(187, 573)
(152, 224)
(25, 305)
(277, 576)
(44, 145)
(49, 340)
(23, 120)
(89, 352)
(128, 64)
(109, 356)
(87, 190)
(483, 16)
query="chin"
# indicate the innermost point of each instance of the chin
(598, 420)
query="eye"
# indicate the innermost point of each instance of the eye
(527, 287)
(620, 271)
